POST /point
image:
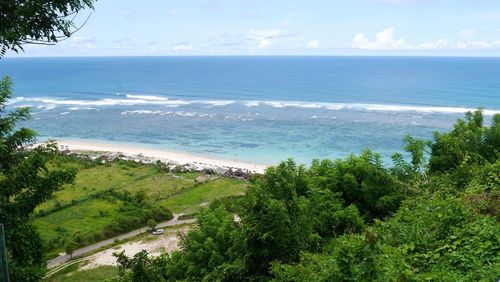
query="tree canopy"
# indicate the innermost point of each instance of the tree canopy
(26, 180)
(26, 176)
(37, 22)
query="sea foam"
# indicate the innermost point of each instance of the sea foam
(374, 107)
(47, 103)
(146, 97)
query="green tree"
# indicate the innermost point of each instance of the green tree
(70, 247)
(464, 151)
(361, 181)
(417, 149)
(26, 180)
(276, 218)
(141, 267)
(468, 142)
(492, 138)
(212, 251)
(152, 224)
(37, 22)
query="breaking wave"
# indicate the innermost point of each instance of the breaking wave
(48, 103)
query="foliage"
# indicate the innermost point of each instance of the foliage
(428, 239)
(275, 218)
(141, 267)
(152, 224)
(468, 143)
(37, 22)
(361, 181)
(26, 180)
(209, 250)
(70, 247)
(433, 218)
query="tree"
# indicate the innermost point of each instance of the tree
(276, 218)
(469, 141)
(26, 180)
(211, 251)
(141, 267)
(359, 180)
(37, 22)
(152, 224)
(465, 150)
(70, 247)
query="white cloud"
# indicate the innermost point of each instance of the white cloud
(474, 45)
(467, 33)
(83, 41)
(313, 44)
(436, 45)
(183, 47)
(384, 40)
(264, 37)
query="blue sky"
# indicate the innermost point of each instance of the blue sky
(293, 27)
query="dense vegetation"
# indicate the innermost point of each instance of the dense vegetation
(434, 218)
(26, 180)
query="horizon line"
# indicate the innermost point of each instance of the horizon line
(254, 55)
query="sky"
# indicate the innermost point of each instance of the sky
(279, 27)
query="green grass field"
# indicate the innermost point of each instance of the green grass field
(73, 274)
(191, 200)
(90, 210)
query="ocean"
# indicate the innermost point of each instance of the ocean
(255, 109)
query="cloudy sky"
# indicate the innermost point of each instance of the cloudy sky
(284, 27)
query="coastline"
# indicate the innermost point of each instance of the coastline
(163, 155)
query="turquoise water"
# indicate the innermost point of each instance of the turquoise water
(258, 109)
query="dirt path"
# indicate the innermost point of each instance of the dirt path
(167, 242)
(85, 250)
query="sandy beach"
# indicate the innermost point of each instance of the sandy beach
(157, 154)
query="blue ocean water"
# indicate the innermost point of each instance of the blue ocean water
(258, 109)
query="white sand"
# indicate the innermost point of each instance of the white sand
(167, 242)
(162, 155)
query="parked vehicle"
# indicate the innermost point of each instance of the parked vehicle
(158, 231)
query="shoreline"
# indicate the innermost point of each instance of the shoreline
(163, 155)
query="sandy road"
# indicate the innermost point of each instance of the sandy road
(85, 250)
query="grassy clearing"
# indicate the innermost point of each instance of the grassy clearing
(193, 200)
(83, 218)
(125, 176)
(112, 198)
(73, 274)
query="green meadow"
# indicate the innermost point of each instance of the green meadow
(115, 197)
(73, 274)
